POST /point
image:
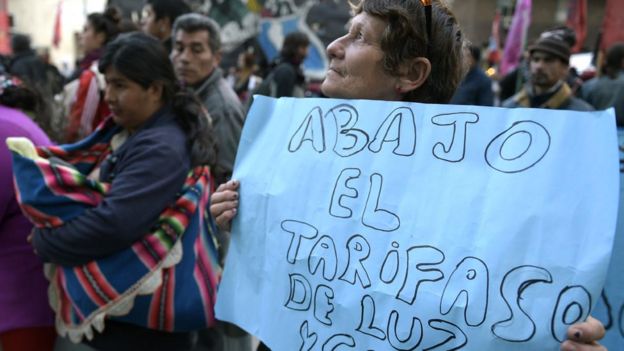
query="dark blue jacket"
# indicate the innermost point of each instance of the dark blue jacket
(475, 89)
(146, 172)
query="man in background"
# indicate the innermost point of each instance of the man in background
(196, 55)
(27, 66)
(549, 63)
(158, 16)
(607, 90)
(476, 88)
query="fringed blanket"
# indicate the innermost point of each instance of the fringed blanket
(165, 281)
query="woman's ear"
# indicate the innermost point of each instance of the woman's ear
(100, 37)
(155, 92)
(413, 74)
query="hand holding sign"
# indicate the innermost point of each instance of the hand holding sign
(224, 204)
(583, 336)
(418, 227)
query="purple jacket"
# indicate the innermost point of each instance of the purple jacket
(23, 288)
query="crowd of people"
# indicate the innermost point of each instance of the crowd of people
(545, 79)
(149, 115)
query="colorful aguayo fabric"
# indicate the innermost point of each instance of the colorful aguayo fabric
(165, 281)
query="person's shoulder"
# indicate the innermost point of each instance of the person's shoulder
(577, 104)
(589, 87)
(165, 130)
(285, 65)
(222, 100)
(167, 122)
(166, 139)
(483, 78)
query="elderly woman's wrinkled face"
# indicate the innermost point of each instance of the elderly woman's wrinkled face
(355, 63)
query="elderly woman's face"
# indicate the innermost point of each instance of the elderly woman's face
(355, 63)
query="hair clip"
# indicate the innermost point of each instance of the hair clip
(427, 5)
(7, 81)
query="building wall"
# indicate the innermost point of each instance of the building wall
(475, 18)
(36, 18)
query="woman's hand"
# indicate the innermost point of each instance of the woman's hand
(584, 336)
(224, 204)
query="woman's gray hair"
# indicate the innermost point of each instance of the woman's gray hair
(194, 22)
(405, 38)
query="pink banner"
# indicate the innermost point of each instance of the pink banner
(516, 38)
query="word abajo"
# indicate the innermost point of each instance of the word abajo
(399, 128)
(470, 275)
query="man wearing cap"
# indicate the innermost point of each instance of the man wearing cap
(549, 59)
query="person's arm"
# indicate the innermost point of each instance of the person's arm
(146, 183)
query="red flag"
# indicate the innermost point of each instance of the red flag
(494, 40)
(577, 20)
(5, 46)
(56, 39)
(613, 24)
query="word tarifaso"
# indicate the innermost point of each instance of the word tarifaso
(466, 289)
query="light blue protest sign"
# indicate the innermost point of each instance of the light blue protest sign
(610, 308)
(370, 225)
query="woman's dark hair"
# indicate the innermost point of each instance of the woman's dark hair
(106, 22)
(18, 95)
(14, 93)
(143, 60)
(292, 43)
(20, 43)
(171, 9)
(405, 38)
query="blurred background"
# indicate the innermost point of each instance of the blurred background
(55, 25)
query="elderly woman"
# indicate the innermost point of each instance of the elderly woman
(397, 51)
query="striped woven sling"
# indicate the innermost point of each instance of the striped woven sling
(165, 281)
